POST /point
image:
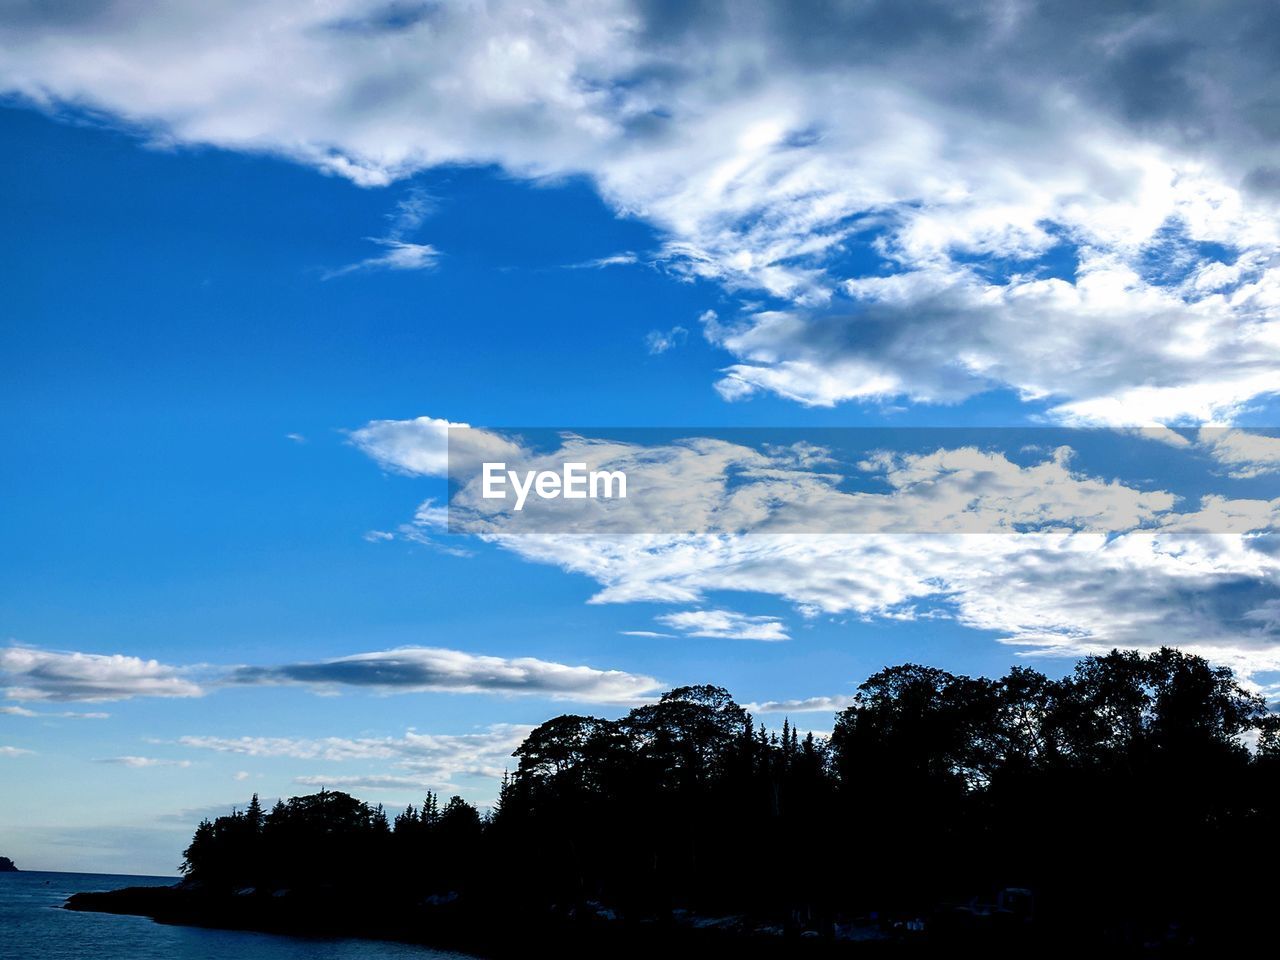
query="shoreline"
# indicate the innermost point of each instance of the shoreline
(495, 934)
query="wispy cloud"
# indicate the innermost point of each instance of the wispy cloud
(399, 255)
(805, 705)
(401, 252)
(660, 341)
(725, 625)
(418, 760)
(14, 752)
(60, 714)
(142, 762)
(615, 260)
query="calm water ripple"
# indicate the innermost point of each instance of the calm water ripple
(34, 927)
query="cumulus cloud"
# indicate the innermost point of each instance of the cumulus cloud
(745, 484)
(940, 334)
(421, 669)
(419, 760)
(725, 625)
(31, 674)
(1076, 202)
(1036, 551)
(1246, 454)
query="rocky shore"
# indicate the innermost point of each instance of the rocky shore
(448, 922)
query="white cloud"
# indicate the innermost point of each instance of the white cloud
(1246, 454)
(614, 260)
(904, 196)
(940, 334)
(1065, 594)
(419, 759)
(660, 341)
(14, 751)
(400, 255)
(422, 669)
(725, 625)
(33, 674)
(705, 484)
(138, 763)
(61, 714)
(43, 675)
(1041, 555)
(806, 705)
(424, 446)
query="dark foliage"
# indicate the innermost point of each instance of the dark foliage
(1120, 801)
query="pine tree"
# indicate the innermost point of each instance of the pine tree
(253, 816)
(430, 810)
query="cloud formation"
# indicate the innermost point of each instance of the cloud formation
(435, 669)
(660, 341)
(805, 705)
(44, 675)
(1077, 202)
(423, 446)
(725, 625)
(31, 674)
(61, 714)
(139, 763)
(399, 255)
(419, 760)
(1035, 551)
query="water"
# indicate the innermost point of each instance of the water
(33, 926)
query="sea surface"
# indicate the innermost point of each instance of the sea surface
(33, 926)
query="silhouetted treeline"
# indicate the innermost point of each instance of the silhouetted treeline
(1138, 796)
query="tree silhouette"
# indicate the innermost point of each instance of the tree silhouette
(1122, 796)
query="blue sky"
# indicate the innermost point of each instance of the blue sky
(160, 509)
(222, 296)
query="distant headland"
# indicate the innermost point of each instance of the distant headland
(7, 865)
